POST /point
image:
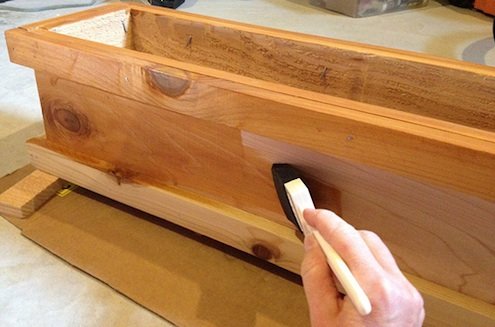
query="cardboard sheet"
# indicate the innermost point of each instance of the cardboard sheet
(186, 278)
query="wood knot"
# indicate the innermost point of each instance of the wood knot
(121, 175)
(66, 118)
(169, 85)
(265, 251)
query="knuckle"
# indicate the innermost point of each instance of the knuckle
(388, 292)
(385, 292)
(416, 298)
(343, 228)
(333, 225)
(369, 235)
(320, 215)
(344, 232)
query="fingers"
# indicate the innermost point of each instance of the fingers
(393, 297)
(348, 243)
(380, 251)
(319, 286)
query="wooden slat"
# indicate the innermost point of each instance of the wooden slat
(27, 195)
(441, 153)
(250, 233)
(9, 180)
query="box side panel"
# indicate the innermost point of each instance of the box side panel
(145, 144)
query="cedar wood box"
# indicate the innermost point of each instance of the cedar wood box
(182, 116)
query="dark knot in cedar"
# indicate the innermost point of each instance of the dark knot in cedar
(67, 118)
(121, 175)
(265, 251)
(168, 85)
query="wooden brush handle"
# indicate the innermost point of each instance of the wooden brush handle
(300, 199)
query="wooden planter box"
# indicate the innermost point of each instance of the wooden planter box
(182, 116)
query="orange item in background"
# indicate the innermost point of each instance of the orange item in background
(487, 6)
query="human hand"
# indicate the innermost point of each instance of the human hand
(394, 301)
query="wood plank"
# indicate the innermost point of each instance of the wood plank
(27, 195)
(444, 307)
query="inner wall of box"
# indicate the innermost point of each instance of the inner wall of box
(111, 29)
(447, 94)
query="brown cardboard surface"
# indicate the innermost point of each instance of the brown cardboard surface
(186, 278)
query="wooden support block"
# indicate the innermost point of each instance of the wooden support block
(26, 196)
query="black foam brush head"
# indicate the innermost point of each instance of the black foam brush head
(283, 173)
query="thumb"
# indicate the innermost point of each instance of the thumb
(319, 286)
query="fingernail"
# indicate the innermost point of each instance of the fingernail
(309, 242)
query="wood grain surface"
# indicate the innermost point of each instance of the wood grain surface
(233, 166)
(436, 87)
(437, 234)
(29, 194)
(444, 307)
(151, 145)
(262, 237)
(410, 85)
(438, 152)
